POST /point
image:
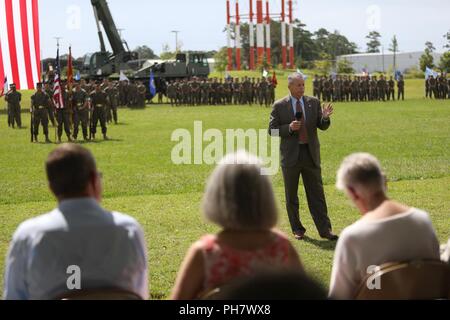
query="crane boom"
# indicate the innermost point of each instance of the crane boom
(102, 12)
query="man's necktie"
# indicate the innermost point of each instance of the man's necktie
(303, 134)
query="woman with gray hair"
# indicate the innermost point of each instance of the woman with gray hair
(388, 231)
(240, 200)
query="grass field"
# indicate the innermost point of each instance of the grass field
(411, 138)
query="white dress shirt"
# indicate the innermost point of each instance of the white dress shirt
(108, 247)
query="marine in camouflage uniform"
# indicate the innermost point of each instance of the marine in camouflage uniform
(80, 105)
(401, 88)
(51, 108)
(172, 93)
(237, 91)
(381, 88)
(263, 88)
(111, 109)
(39, 108)
(374, 89)
(99, 100)
(347, 88)
(247, 91)
(13, 99)
(140, 98)
(195, 93)
(391, 89)
(316, 87)
(63, 114)
(205, 89)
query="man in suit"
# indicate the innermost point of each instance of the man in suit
(297, 118)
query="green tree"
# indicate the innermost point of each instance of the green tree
(166, 53)
(444, 63)
(394, 48)
(325, 64)
(345, 66)
(337, 45)
(221, 59)
(373, 46)
(426, 60)
(447, 37)
(430, 46)
(145, 52)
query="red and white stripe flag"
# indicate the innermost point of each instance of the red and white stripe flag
(57, 93)
(4, 87)
(20, 42)
(57, 90)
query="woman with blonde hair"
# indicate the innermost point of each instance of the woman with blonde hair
(240, 200)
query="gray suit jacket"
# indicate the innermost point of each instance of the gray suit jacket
(282, 116)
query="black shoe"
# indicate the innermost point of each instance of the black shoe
(299, 235)
(105, 137)
(330, 236)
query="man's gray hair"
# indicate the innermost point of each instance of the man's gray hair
(295, 76)
(361, 170)
(238, 197)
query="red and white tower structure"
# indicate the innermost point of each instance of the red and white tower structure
(263, 18)
(238, 37)
(251, 37)
(259, 31)
(268, 42)
(283, 34)
(229, 48)
(291, 37)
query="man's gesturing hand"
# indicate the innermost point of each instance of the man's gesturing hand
(327, 110)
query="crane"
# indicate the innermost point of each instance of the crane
(103, 63)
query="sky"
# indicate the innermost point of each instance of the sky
(201, 22)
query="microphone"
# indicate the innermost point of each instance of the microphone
(299, 116)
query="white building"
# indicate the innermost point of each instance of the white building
(379, 62)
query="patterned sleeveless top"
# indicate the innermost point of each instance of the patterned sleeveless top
(224, 263)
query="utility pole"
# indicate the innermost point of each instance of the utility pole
(176, 39)
(57, 41)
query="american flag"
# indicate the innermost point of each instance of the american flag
(20, 59)
(4, 87)
(57, 92)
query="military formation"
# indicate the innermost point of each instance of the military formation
(438, 87)
(214, 91)
(340, 88)
(83, 107)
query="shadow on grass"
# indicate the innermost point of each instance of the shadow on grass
(323, 244)
(99, 141)
(80, 142)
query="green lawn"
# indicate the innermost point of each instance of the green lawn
(411, 138)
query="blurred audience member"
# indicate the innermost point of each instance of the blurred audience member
(79, 245)
(240, 200)
(388, 231)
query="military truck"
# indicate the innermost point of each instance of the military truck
(103, 64)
